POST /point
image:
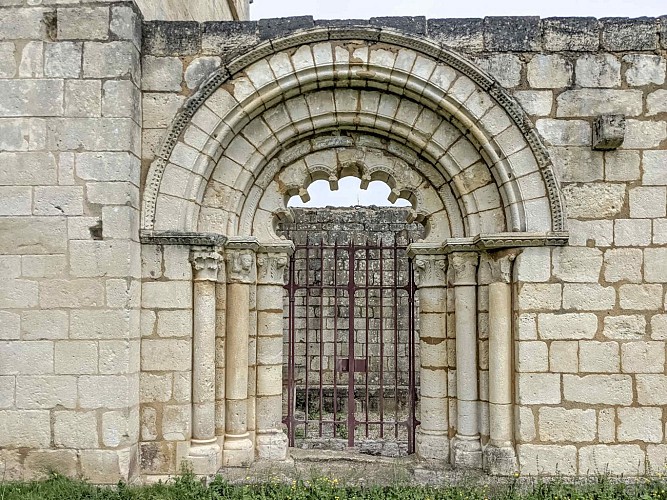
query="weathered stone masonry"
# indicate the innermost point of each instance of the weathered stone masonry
(144, 169)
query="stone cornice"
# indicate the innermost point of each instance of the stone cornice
(286, 247)
(498, 241)
(182, 238)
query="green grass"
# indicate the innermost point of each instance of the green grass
(188, 487)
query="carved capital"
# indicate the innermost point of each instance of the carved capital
(464, 268)
(501, 267)
(271, 268)
(205, 263)
(431, 271)
(240, 266)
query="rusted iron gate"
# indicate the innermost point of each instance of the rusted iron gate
(351, 344)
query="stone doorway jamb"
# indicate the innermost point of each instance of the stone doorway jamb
(272, 260)
(240, 256)
(432, 439)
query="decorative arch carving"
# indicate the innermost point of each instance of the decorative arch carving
(363, 80)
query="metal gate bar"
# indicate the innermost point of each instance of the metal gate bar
(320, 293)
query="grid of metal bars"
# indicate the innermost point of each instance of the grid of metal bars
(351, 344)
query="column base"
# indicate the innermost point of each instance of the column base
(500, 460)
(272, 445)
(205, 457)
(432, 444)
(466, 452)
(238, 451)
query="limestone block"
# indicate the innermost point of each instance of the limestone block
(62, 60)
(108, 166)
(15, 200)
(569, 326)
(166, 354)
(25, 428)
(221, 38)
(10, 326)
(571, 34)
(535, 102)
(644, 69)
(656, 458)
(599, 357)
(525, 424)
(176, 263)
(111, 60)
(34, 392)
(83, 98)
(538, 388)
(44, 325)
(632, 232)
(121, 99)
(182, 387)
(83, 23)
(629, 327)
(593, 102)
(644, 134)
(623, 264)
(559, 424)
(23, 24)
(594, 201)
(575, 164)
(659, 327)
(155, 388)
(547, 459)
(609, 132)
(660, 231)
(588, 297)
(656, 102)
(162, 74)
(533, 265)
(22, 134)
(58, 200)
(32, 60)
(43, 266)
(621, 33)
(627, 460)
(640, 424)
(27, 168)
(119, 428)
(125, 24)
(70, 293)
(176, 422)
(167, 295)
(651, 389)
(577, 264)
(117, 356)
(540, 296)
(526, 326)
(7, 60)
(76, 357)
(643, 357)
(506, 68)
(622, 165)
(532, 357)
(557, 132)
(160, 109)
(40, 464)
(31, 97)
(174, 323)
(75, 429)
(600, 233)
(655, 168)
(549, 71)
(641, 297)
(102, 466)
(112, 134)
(564, 356)
(15, 294)
(158, 458)
(655, 265)
(200, 69)
(148, 423)
(598, 389)
(113, 258)
(598, 70)
(104, 391)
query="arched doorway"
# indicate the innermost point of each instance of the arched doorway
(321, 104)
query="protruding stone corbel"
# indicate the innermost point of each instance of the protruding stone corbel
(608, 132)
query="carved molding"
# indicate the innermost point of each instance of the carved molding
(182, 238)
(464, 268)
(205, 263)
(271, 268)
(371, 34)
(431, 271)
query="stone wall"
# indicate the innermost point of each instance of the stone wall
(87, 95)
(70, 146)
